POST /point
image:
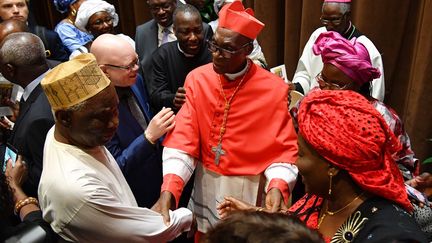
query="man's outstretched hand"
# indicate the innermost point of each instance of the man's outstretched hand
(165, 202)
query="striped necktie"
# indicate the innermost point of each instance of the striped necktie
(165, 34)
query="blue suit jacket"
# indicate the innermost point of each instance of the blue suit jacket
(140, 161)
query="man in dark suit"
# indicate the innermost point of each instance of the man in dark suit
(18, 9)
(150, 35)
(135, 146)
(23, 62)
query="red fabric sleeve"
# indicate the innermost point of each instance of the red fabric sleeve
(282, 186)
(174, 184)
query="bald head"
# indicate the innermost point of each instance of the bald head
(12, 26)
(117, 58)
(109, 47)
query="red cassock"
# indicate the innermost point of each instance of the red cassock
(259, 130)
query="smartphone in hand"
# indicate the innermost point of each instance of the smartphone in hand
(10, 153)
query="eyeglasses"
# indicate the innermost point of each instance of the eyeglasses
(100, 22)
(213, 47)
(157, 8)
(333, 21)
(333, 86)
(129, 67)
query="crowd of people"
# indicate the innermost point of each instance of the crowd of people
(182, 134)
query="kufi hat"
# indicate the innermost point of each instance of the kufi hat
(238, 19)
(73, 82)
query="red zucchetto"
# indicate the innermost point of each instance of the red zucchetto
(235, 17)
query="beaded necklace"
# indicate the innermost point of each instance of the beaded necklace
(218, 149)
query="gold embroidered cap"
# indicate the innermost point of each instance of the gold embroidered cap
(74, 81)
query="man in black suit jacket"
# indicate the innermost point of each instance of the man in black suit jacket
(23, 62)
(18, 9)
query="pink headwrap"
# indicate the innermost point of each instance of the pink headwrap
(344, 128)
(349, 56)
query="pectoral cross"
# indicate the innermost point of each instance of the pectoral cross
(218, 152)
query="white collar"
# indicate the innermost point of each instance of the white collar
(232, 76)
(31, 86)
(184, 53)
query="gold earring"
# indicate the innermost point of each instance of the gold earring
(330, 186)
(73, 12)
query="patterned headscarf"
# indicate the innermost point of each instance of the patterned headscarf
(90, 7)
(349, 56)
(345, 129)
(63, 5)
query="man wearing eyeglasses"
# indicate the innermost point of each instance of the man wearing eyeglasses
(135, 145)
(336, 16)
(234, 130)
(173, 61)
(152, 34)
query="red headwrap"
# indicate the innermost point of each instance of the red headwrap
(238, 19)
(349, 56)
(344, 128)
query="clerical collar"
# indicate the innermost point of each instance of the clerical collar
(348, 34)
(233, 76)
(184, 53)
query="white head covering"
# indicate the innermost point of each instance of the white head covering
(90, 7)
(217, 5)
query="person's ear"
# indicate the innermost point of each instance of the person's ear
(174, 29)
(249, 48)
(104, 70)
(10, 69)
(64, 118)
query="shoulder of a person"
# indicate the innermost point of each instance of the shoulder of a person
(370, 46)
(170, 47)
(49, 33)
(42, 105)
(146, 25)
(391, 222)
(271, 77)
(206, 70)
(199, 74)
(318, 31)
